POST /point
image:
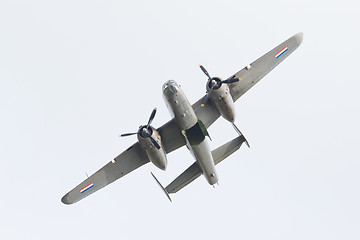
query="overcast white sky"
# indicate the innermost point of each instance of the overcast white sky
(75, 74)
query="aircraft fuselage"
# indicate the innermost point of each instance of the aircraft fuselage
(192, 128)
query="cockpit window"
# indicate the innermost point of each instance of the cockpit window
(171, 87)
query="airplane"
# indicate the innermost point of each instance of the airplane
(188, 127)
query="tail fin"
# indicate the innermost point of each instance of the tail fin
(240, 133)
(165, 191)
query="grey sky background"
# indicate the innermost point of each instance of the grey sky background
(75, 74)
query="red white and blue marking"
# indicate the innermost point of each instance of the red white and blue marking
(281, 52)
(87, 187)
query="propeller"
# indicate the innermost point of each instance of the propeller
(215, 83)
(146, 131)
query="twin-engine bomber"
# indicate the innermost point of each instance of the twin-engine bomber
(188, 127)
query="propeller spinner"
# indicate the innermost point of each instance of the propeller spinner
(146, 130)
(215, 83)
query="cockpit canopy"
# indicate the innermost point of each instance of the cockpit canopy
(170, 87)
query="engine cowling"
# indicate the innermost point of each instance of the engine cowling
(222, 99)
(150, 141)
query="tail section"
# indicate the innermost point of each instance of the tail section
(194, 171)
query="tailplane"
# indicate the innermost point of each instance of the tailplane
(194, 171)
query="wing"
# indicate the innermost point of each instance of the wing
(129, 160)
(255, 71)
(250, 75)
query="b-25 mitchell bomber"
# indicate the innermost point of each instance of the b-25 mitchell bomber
(188, 127)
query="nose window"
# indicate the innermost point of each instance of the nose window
(167, 90)
(171, 87)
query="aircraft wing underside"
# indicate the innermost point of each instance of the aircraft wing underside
(126, 162)
(255, 71)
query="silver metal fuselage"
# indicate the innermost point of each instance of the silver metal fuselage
(186, 119)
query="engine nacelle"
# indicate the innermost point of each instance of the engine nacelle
(222, 99)
(156, 155)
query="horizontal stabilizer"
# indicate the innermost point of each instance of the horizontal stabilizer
(227, 149)
(189, 175)
(194, 170)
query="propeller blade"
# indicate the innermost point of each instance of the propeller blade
(204, 70)
(155, 143)
(127, 134)
(231, 80)
(207, 96)
(151, 117)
